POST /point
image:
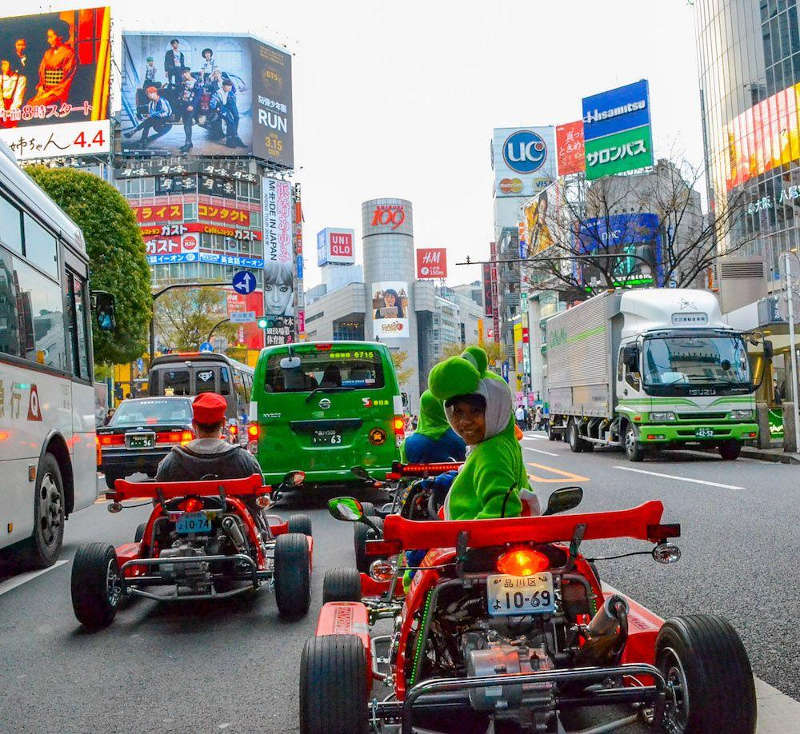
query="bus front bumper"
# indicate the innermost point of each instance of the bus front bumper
(674, 433)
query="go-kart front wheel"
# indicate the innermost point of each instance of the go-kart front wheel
(710, 681)
(300, 523)
(341, 584)
(96, 585)
(333, 686)
(292, 579)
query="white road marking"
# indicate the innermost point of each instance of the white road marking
(539, 451)
(680, 479)
(533, 438)
(23, 578)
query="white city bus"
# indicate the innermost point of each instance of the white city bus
(47, 399)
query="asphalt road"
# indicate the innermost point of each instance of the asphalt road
(233, 665)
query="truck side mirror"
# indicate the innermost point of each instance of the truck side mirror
(630, 357)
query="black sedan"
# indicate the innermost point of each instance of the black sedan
(141, 433)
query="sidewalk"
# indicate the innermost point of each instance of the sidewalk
(777, 455)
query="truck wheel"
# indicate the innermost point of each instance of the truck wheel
(552, 434)
(730, 449)
(633, 449)
(300, 523)
(333, 686)
(574, 439)
(96, 585)
(341, 584)
(292, 579)
(708, 674)
(361, 534)
(42, 548)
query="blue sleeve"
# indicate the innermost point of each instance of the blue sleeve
(456, 446)
(417, 448)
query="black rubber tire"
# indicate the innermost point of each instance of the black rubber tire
(633, 449)
(341, 584)
(93, 602)
(717, 673)
(369, 508)
(333, 686)
(552, 434)
(42, 548)
(139, 534)
(292, 575)
(576, 445)
(729, 450)
(300, 523)
(361, 534)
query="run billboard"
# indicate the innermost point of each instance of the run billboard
(54, 74)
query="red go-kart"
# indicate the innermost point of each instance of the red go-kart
(506, 626)
(208, 539)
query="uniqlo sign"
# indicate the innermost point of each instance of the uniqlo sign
(431, 263)
(335, 246)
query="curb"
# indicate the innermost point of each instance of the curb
(777, 458)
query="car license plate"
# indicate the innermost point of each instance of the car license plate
(515, 595)
(193, 522)
(704, 432)
(326, 438)
(141, 440)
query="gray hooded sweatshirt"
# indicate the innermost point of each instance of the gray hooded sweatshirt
(209, 458)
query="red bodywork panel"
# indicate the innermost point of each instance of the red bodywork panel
(247, 487)
(631, 523)
(347, 618)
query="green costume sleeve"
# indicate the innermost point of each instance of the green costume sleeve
(494, 477)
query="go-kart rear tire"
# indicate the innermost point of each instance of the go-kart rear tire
(111, 478)
(333, 686)
(139, 534)
(704, 654)
(95, 585)
(300, 523)
(292, 575)
(361, 534)
(341, 584)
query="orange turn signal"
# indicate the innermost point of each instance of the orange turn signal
(522, 562)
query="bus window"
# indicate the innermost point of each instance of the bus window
(40, 246)
(175, 382)
(224, 381)
(42, 317)
(204, 380)
(75, 295)
(10, 225)
(9, 320)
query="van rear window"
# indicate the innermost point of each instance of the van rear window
(356, 369)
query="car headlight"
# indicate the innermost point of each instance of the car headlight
(742, 415)
(664, 417)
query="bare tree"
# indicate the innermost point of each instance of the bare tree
(584, 236)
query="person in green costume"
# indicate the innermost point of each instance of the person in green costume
(434, 440)
(493, 481)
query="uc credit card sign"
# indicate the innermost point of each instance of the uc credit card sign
(616, 130)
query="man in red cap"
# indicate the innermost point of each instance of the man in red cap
(209, 456)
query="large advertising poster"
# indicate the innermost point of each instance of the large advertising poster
(186, 93)
(278, 254)
(390, 309)
(569, 141)
(523, 159)
(272, 95)
(54, 77)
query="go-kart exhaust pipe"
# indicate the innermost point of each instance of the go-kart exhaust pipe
(232, 530)
(606, 634)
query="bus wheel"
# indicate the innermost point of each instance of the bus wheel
(44, 545)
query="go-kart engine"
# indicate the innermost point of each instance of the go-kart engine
(184, 573)
(490, 654)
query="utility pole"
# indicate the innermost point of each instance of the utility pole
(792, 348)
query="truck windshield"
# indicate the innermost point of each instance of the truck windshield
(696, 360)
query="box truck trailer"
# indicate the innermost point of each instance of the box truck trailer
(649, 369)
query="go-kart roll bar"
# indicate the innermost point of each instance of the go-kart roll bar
(246, 487)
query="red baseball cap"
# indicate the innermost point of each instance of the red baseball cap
(209, 408)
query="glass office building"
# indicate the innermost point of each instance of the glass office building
(749, 66)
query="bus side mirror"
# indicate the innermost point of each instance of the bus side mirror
(103, 303)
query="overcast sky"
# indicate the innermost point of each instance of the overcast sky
(400, 98)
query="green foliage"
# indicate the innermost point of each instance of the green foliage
(493, 349)
(398, 360)
(185, 317)
(116, 255)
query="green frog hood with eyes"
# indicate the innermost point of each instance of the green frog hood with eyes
(489, 483)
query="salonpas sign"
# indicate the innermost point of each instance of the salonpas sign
(616, 130)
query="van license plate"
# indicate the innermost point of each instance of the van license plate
(704, 433)
(508, 595)
(326, 438)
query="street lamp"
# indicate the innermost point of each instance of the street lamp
(792, 344)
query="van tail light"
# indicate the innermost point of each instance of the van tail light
(112, 439)
(253, 433)
(522, 562)
(399, 426)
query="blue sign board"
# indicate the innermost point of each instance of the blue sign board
(206, 347)
(504, 370)
(322, 247)
(207, 257)
(616, 110)
(524, 151)
(244, 282)
(299, 267)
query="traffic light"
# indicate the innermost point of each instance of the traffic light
(262, 323)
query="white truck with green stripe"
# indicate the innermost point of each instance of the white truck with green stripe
(648, 369)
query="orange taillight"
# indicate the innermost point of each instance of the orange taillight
(252, 431)
(522, 562)
(112, 439)
(399, 425)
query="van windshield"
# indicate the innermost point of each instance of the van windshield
(355, 369)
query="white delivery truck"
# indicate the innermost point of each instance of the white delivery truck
(649, 369)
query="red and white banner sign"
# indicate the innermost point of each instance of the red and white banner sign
(223, 214)
(158, 213)
(175, 230)
(431, 262)
(172, 245)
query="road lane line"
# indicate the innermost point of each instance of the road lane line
(563, 475)
(546, 453)
(680, 479)
(23, 578)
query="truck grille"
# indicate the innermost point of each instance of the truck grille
(701, 416)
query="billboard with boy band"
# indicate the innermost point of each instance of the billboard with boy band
(199, 94)
(54, 83)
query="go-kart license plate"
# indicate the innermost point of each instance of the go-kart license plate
(193, 522)
(515, 595)
(704, 432)
(326, 438)
(141, 440)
